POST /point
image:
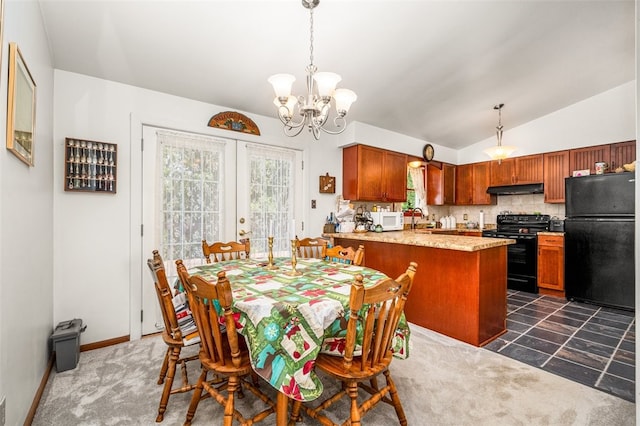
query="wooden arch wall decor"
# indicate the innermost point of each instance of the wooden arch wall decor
(235, 121)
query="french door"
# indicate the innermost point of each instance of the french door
(200, 187)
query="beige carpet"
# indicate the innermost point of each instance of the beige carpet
(444, 382)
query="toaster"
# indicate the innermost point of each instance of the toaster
(556, 225)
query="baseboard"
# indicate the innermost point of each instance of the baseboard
(36, 399)
(104, 343)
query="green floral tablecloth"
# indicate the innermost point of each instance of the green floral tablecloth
(288, 320)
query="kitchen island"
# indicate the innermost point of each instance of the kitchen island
(460, 289)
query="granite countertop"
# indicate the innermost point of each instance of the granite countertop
(447, 242)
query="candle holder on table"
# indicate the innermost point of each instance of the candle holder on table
(271, 266)
(294, 261)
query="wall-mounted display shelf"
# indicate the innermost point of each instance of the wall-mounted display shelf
(90, 166)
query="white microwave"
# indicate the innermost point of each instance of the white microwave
(390, 221)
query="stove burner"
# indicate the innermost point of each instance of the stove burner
(522, 223)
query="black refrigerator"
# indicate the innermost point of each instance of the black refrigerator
(599, 239)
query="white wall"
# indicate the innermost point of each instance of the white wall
(26, 258)
(366, 134)
(99, 233)
(604, 118)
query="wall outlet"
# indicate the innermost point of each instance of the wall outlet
(2, 410)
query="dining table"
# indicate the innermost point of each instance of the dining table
(288, 318)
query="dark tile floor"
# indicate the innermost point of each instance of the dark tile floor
(585, 343)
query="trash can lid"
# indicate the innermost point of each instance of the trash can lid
(67, 329)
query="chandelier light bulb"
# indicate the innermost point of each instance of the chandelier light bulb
(344, 98)
(282, 84)
(326, 83)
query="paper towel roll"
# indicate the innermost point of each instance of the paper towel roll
(481, 221)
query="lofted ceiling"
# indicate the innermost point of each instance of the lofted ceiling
(432, 69)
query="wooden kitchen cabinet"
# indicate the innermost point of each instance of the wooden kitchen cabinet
(622, 153)
(482, 181)
(472, 181)
(517, 170)
(441, 183)
(464, 185)
(373, 174)
(556, 169)
(586, 158)
(551, 265)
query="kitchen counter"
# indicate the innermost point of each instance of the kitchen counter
(460, 288)
(424, 237)
(553, 234)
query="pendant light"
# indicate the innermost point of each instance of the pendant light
(499, 152)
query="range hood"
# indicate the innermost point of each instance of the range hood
(533, 188)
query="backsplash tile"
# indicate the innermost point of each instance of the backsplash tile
(528, 203)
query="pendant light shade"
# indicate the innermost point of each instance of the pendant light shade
(499, 152)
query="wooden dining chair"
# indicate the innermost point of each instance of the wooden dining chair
(311, 248)
(345, 255)
(221, 251)
(377, 310)
(223, 351)
(172, 335)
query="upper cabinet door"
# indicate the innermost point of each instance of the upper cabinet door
(464, 185)
(481, 178)
(503, 172)
(586, 158)
(373, 174)
(441, 183)
(449, 192)
(435, 184)
(517, 170)
(556, 169)
(622, 153)
(472, 181)
(529, 169)
(394, 177)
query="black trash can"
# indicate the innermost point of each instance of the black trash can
(66, 344)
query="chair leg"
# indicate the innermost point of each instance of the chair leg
(232, 388)
(195, 398)
(165, 365)
(295, 413)
(166, 391)
(397, 405)
(352, 391)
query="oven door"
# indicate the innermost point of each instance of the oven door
(522, 263)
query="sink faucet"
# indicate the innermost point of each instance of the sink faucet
(413, 213)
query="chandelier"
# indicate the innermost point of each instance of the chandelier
(499, 152)
(314, 108)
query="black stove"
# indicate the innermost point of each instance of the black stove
(519, 226)
(522, 257)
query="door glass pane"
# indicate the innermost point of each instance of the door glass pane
(191, 188)
(270, 174)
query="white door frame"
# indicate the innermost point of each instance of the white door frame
(136, 256)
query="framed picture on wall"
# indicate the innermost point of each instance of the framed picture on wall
(21, 107)
(1, 29)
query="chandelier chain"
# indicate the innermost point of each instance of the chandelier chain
(311, 37)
